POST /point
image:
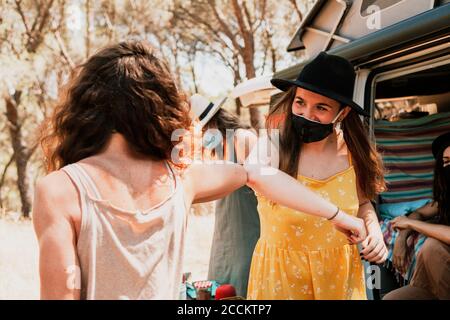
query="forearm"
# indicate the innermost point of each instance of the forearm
(286, 191)
(368, 214)
(417, 216)
(437, 231)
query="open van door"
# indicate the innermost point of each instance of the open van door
(331, 24)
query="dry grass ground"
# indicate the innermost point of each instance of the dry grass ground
(19, 255)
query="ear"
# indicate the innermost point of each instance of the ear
(344, 113)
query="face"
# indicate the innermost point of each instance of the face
(446, 157)
(316, 107)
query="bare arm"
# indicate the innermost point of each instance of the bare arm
(58, 261)
(207, 182)
(438, 231)
(373, 247)
(214, 181)
(399, 251)
(426, 212)
(266, 179)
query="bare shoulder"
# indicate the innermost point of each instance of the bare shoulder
(55, 194)
(55, 185)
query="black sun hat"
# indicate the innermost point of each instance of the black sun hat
(329, 75)
(440, 144)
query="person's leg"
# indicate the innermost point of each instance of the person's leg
(409, 293)
(433, 269)
(388, 281)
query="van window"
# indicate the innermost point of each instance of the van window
(382, 4)
(411, 110)
(413, 95)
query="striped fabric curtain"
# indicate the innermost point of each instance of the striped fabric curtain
(405, 147)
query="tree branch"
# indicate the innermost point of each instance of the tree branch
(195, 19)
(63, 50)
(22, 16)
(2, 178)
(225, 29)
(297, 9)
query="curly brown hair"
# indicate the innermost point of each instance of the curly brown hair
(123, 88)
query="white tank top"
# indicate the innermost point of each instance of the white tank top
(125, 255)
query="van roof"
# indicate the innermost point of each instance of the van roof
(424, 26)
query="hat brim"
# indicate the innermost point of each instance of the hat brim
(212, 112)
(284, 85)
(440, 144)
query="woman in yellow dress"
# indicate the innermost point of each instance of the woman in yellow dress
(301, 256)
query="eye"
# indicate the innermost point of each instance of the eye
(321, 108)
(300, 102)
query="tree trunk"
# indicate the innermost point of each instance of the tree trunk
(21, 154)
(255, 115)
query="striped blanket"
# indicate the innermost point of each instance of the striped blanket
(413, 245)
(405, 147)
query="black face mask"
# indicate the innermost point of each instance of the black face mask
(312, 131)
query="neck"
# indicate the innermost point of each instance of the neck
(119, 149)
(322, 145)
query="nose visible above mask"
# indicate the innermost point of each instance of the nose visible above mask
(312, 131)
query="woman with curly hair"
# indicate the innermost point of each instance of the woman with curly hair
(110, 218)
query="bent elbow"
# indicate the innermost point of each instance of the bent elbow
(253, 173)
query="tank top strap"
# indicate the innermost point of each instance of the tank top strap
(76, 176)
(350, 162)
(91, 187)
(83, 190)
(177, 193)
(173, 177)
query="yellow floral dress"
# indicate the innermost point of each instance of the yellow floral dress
(303, 257)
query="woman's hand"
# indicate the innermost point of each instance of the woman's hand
(353, 227)
(401, 223)
(399, 255)
(373, 247)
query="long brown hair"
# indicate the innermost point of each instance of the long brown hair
(123, 88)
(368, 165)
(441, 191)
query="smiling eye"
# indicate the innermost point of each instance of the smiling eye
(320, 108)
(300, 102)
